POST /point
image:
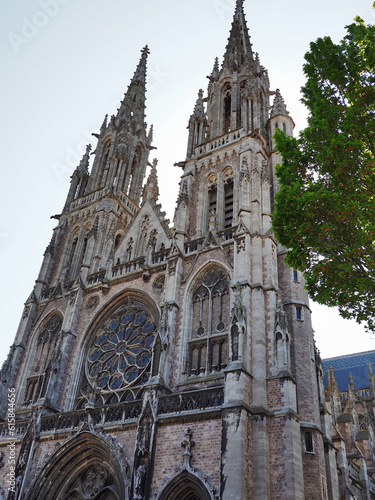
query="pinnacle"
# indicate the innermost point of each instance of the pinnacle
(150, 135)
(279, 107)
(199, 107)
(215, 69)
(151, 189)
(83, 167)
(104, 124)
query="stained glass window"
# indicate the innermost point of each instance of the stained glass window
(120, 354)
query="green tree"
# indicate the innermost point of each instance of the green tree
(325, 208)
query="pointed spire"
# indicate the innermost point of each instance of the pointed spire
(351, 382)
(150, 136)
(238, 54)
(139, 77)
(151, 188)
(279, 107)
(199, 112)
(215, 71)
(133, 104)
(103, 128)
(83, 167)
(331, 382)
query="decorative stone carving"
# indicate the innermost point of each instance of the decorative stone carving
(187, 444)
(183, 197)
(121, 151)
(158, 283)
(138, 479)
(282, 340)
(240, 244)
(172, 265)
(26, 312)
(143, 453)
(72, 297)
(92, 302)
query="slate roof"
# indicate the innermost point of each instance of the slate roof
(356, 364)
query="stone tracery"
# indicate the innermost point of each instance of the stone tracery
(120, 354)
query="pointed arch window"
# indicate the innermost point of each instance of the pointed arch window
(212, 197)
(104, 166)
(47, 336)
(228, 202)
(77, 251)
(227, 111)
(73, 248)
(129, 181)
(208, 346)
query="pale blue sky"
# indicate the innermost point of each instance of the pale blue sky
(66, 63)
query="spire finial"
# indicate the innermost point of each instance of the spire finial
(145, 51)
(279, 107)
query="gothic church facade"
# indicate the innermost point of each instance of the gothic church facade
(159, 362)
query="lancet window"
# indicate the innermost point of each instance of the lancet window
(228, 202)
(208, 347)
(77, 251)
(37, 382)
(104, 166)
(212, 199)
(120, 356)
(227, 108)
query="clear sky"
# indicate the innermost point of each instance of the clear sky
(66, 63)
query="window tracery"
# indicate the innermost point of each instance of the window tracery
(208, 347)
(95, 482)
(36, 384)
(119, 358)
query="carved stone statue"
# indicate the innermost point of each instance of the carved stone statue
(138, 479)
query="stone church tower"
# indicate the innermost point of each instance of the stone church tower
(171, 363)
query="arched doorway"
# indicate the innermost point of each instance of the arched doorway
(84, 467)
(185, 486)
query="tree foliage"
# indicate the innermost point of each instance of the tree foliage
(325, 208)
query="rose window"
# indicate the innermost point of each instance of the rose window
(121, 353)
